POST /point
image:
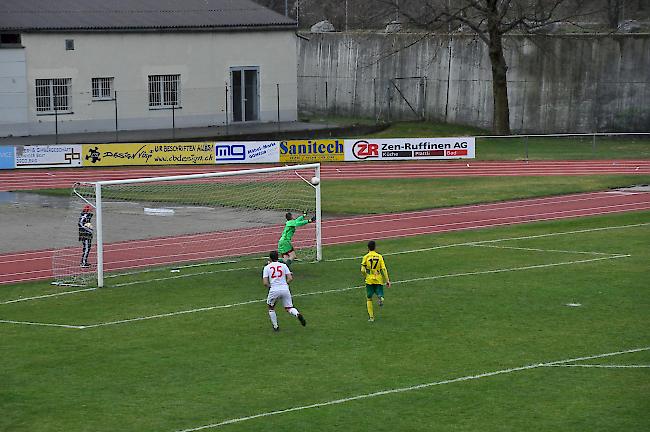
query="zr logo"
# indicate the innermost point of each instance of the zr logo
(93, 155)
(365, 150)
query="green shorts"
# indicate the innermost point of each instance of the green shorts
(284, 247)
(374, 289)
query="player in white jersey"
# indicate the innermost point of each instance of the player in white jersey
(276, 278)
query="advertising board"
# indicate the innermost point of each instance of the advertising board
(247, 152)
(409, 148)
(317, 150)
(48, 156)
(7, 157)
(180, 153)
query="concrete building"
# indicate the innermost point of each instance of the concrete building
(100, 65)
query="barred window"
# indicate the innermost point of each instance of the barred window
(102, 88)
(164, 91)
(53, 94)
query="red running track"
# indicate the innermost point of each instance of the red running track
(57, 178)
(30, 266)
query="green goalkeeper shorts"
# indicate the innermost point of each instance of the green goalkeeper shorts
(374, 289)
(284, 247)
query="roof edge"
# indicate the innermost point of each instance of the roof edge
(234, 28)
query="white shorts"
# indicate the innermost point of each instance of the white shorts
(284, 295)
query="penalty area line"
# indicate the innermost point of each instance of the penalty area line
(485, 242)
(18, 300)
(544, 250)
(428, 249)
(475, 243)
(409, 389)
(340, 290)
(32, 323)
(601, 366)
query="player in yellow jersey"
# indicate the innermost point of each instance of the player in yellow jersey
(376, 274)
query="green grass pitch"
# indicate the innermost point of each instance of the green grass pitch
(476, 335)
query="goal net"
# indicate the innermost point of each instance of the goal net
(145, 224)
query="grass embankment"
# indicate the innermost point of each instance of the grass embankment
(532, 148)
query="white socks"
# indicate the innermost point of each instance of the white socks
(274, 318)
(293, 311)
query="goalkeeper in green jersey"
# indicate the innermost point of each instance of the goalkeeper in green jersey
(285, 248)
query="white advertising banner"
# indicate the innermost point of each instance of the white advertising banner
(247, 152)
(409, 148)
(48, 156)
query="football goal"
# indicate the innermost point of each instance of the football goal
(137, 225)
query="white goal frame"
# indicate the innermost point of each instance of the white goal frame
(98, 202)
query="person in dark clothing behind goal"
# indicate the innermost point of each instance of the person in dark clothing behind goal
(85, 233)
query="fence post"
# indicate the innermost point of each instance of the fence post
(227, 115)
(526, 146)
(56, 124)
(593, 143)
(327, 111)
(117, 133)
(277, 92)
(173, 121)
(388, 99)
(374, 97)
(424, 98)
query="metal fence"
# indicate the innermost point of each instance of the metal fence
(383, 100)
(564, 146)
(219, 107)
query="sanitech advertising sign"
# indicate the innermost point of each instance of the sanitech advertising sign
(318, 150)
(410, 148)
(247, 152)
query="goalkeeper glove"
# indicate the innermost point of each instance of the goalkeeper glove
(313, 219)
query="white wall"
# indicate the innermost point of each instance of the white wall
(13, 90)
(203, 60)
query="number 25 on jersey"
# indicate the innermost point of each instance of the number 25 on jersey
(276, 272)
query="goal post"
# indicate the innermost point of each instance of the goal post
(144, 224)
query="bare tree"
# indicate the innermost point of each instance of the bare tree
(614, 12)
(344, 14)
(618, 10)
(491, 20)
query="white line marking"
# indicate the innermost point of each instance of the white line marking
(586, 230)
(476, 243)
(339, 290)
(46, 296)
(542, 250)
(500, 240)
(178, 267)
(407, 389)
(179, 276)
(342, 259)
(601, 366)
(621, 193)
(170, 314)
(41, 324)
(538, 266)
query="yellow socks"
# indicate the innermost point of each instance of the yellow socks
(371, 315)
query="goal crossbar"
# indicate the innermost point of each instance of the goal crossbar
(207, 175)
